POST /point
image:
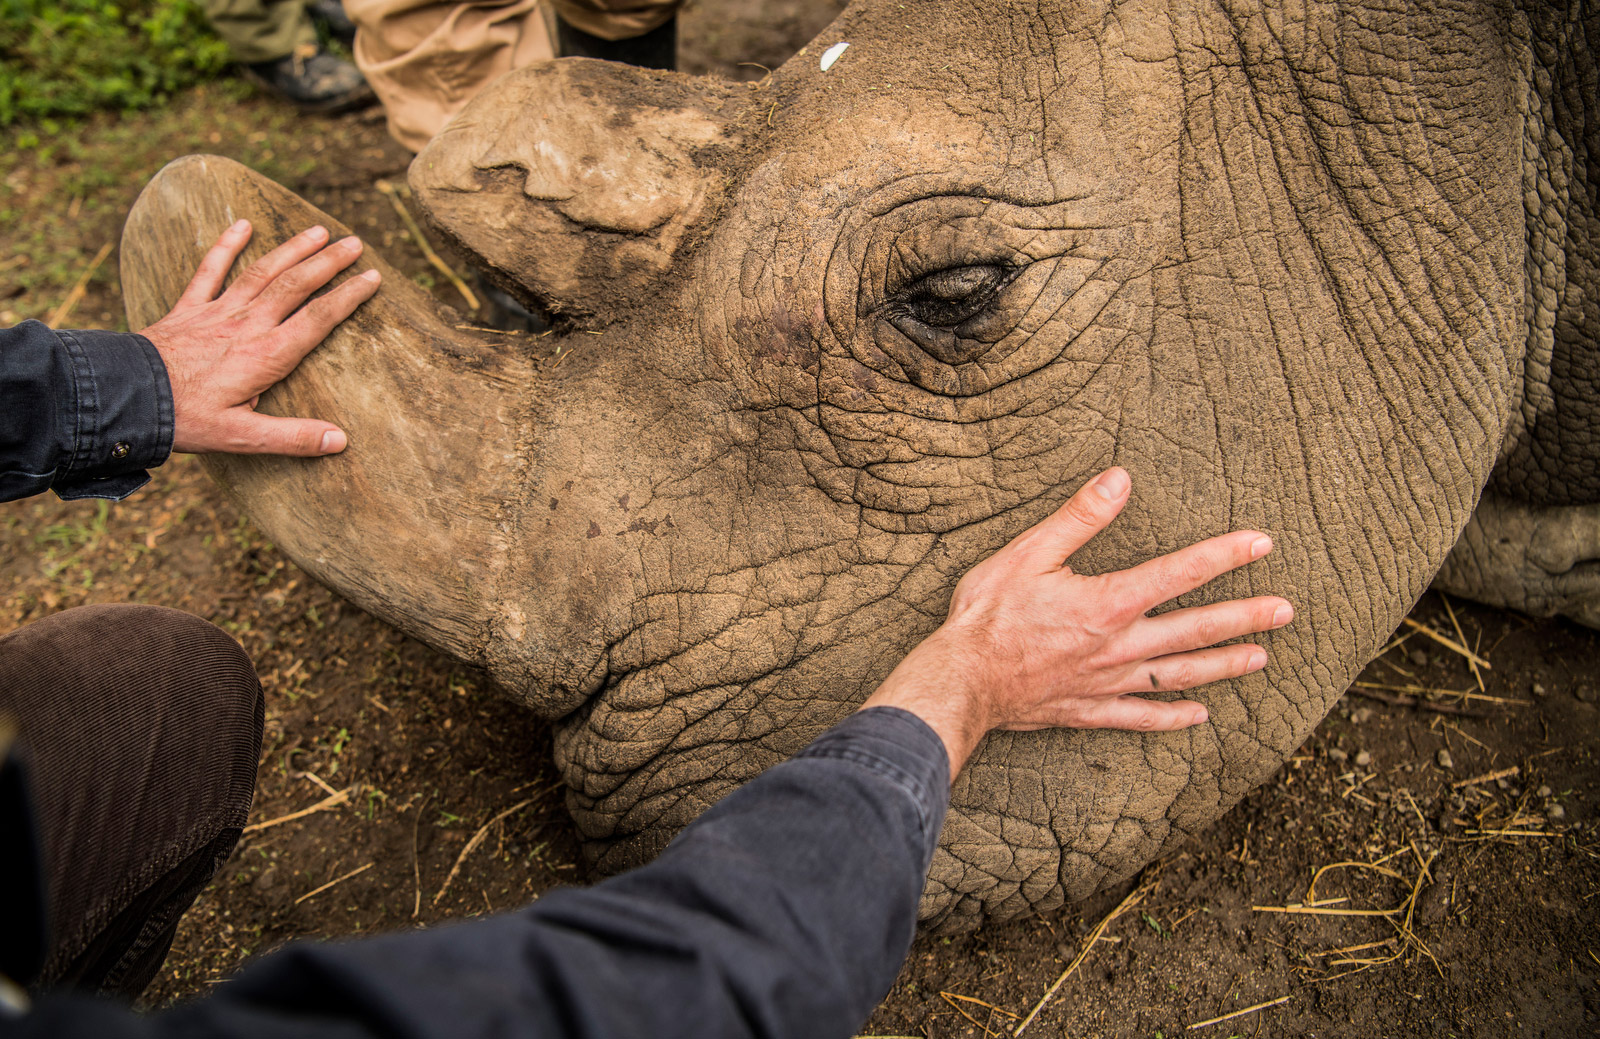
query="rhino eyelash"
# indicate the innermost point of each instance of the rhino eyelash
(947, 298)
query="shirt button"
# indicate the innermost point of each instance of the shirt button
(121, 451)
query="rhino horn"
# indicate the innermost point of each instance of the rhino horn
(606, 168)
(387, 523)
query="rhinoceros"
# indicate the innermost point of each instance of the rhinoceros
(825, 342)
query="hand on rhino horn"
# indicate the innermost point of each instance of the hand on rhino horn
(1029, 644)
(224, 348)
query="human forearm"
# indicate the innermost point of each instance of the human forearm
(785, 910)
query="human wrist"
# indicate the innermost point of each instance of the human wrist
(933, 684)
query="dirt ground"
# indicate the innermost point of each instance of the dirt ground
(436, 800)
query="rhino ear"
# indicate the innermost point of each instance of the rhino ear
(579, 180)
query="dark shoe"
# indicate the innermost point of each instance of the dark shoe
(656, 49)
(330, 13)
(314, 80)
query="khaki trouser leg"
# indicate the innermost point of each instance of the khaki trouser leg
(260, 30)
(427, 59)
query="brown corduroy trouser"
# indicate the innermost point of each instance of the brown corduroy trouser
(426, 59)
(140, 728)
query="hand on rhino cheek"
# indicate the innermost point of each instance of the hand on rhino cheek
(1029, 644)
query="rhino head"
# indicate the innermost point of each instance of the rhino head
(826, 343)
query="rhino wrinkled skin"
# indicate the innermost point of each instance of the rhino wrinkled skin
(829, 341)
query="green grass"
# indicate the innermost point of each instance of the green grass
(66, 192)
(64, 59)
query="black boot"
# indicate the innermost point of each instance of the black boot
(330, 15)
(656, 49)
(314, 80)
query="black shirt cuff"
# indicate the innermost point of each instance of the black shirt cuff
(122, 419)
(901, 747)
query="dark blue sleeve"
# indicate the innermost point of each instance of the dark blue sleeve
(84, 413)
(784, 911)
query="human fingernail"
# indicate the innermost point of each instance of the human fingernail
(1198, 716)
(334, 441)
(240, 225)
(1112, 484)
(351, 243)
(317, 232)
(372, 276)
(1260, 547)
(1282, 615)
(1258, 660)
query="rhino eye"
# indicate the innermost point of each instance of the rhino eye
(947, 298)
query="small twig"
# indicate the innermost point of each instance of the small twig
(79, 288)
(1486, 748)
(1449, 643)
(1422, 863)
(1128, 903)
(1487, 777)
(764, 80)
(1398, 640)
(496, 331)
(951, 997)
(319, 781)
(1315, 911)
(335, 880)
(330, 801)
(1311, 901)
(1465, 694)
(1359, 689)
(416, 863)
(1353, 948)
(1413, 802)
(1513, 833)
(472, 845)
(1240, 1013)
(422, 245)
(1471, 657)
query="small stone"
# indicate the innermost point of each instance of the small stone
(1502, 784)
(1417, 657)
(1584, 693)
(1555, 813)
(1335, 754)
(1538, 689)
(1543, 791)
(1361, 715)
(1363, 759)
(1444, 759)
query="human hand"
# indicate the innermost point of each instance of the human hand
(223, 351)
(1028, 644)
